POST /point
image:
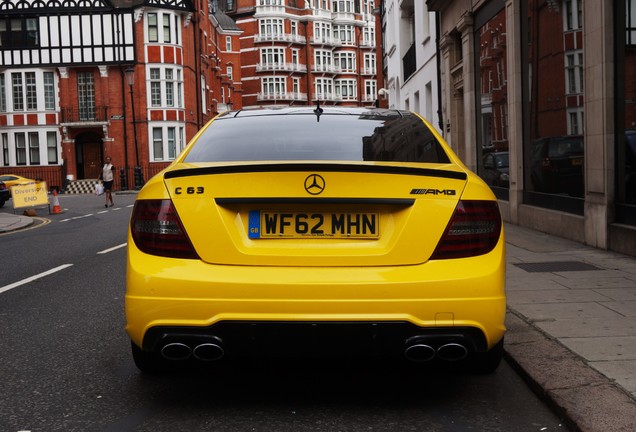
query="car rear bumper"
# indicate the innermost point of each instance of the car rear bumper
(193, 298)
(318, 339)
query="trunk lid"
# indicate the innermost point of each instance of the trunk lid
(306, 214)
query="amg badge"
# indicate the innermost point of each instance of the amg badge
(450, 192)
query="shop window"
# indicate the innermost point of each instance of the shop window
(553, 142)
(493, 140)
(626, 113)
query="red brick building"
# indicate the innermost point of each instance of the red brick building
(131, 79)
(296, 52)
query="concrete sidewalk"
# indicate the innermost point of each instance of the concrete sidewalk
(571, 326)
(11, 222)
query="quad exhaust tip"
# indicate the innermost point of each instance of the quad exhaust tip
(208, 352)
(178, 351)
(420, 352)
(452, 352)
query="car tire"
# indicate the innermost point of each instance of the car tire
(149, 362)
(488, 362)
(2, 203)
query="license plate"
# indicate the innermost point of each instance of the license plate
(292, 224)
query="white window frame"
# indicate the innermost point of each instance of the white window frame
(345, 34)
(28, 91)
(48, 79)
(166, 140)
(274, 56)
(575, 121)
(323, 88)
(572, 15)
(30, 147)
(296, 86)
(323, 59)
(166, 27)
(17, 91)
(370, 90)
(574, 72)
(271, 26)
(322, 32)
(345, 61)
(3, 94)
(346, 89)
(273, 85)
(4, 137)
(370, 61)
(164, 90)
(342, 6)
(368, 35)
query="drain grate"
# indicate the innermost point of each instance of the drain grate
(558, 266)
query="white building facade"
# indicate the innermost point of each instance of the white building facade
(410, 58)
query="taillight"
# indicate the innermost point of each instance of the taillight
(473, 230)
(157, 230)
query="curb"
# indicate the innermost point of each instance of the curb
(585, 399)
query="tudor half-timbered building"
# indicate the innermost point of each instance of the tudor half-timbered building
(84, 79)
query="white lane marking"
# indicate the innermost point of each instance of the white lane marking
(76, 217)
(112, 249)
(91, 214)
(32, 278)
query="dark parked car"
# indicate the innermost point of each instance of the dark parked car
(496, 169)
(4, 193)
(557, 165)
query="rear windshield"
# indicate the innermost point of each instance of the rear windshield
(329, 137)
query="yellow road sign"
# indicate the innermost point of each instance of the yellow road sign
(29, 195)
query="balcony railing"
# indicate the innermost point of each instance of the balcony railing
(324, 40)
(287, 67)
(366, 43)
(98, 114)
(279, 37)
(324, 68)
(287, 96)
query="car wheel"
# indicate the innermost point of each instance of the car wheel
(2, 203)
(488, 362)
(149, 362)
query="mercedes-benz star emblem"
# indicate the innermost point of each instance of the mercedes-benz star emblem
(314, 184)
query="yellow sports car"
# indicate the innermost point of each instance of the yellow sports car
(11, 180)
(316, 231)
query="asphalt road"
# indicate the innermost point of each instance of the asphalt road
(65, 360)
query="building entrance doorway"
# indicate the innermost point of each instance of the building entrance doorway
(88, 148)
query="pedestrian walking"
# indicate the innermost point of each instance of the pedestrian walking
(107, 176)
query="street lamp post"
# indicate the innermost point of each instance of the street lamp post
(130, 78)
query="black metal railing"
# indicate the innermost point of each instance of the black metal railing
(88, 114)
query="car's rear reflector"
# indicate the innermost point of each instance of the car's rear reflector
(473, 230)
(157, 230)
